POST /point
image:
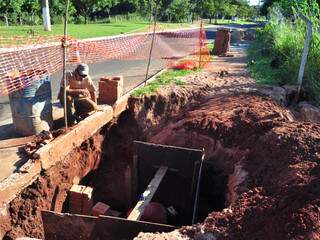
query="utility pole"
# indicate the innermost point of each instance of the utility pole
(46, 15)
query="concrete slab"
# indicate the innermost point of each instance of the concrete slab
(12, 185)
(55, 151)
(11, 161)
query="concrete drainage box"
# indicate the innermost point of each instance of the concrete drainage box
(158, 174)
(178, 187)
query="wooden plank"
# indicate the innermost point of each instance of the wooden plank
(113, 228)
(15, 142)
(137, 212)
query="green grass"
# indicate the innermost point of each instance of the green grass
(210, 46)
(227, 22)
(170, 77)
(81, 31)
(263, 73)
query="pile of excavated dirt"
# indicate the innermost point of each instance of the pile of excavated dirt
(272, 162)
(272, 159)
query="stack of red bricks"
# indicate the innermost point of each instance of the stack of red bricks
(110, 89)
(80, 201)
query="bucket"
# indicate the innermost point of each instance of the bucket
(31, 108)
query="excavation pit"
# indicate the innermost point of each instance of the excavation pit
(258, 163)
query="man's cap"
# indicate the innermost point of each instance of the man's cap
(83, 69)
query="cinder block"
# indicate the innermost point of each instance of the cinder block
(100, 209)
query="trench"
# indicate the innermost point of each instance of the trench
(105, 161)
(110, 183)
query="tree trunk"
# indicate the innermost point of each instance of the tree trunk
(7, 22)
(210, 20)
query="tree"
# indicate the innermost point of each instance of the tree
(88, 7)
(208, 9)
(11, 8)
(31, 8)
(307, 7)
(178, 10)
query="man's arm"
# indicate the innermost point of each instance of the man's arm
(92, 89)
(93, 96)
(76, 92)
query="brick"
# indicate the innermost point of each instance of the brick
(87, 201)
(75, 198)
(100, 209)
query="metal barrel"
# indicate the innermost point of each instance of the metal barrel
(31, 108)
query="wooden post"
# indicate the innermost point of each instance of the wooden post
(147, 196)
(65, 63)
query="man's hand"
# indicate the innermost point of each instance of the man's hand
(85, 93)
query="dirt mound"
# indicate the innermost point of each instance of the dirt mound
(272, 162)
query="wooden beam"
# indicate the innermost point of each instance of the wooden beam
(147, 196)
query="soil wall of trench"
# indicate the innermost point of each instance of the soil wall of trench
(268, 160)
(101, 162)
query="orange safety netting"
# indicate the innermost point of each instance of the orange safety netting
(24, 60)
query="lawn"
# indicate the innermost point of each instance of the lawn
(227, 22)
(81, 31)
(169, 77)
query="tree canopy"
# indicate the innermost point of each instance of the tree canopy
(81, 11)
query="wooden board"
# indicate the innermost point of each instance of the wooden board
(16, 142)
(147, 196)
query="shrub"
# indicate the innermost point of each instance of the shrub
(278, 51)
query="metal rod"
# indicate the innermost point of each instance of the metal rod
(65, 63)
(195, 206)
(152, 42)
(200, 43)
(305, 53)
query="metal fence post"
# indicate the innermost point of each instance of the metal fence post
(305, 52)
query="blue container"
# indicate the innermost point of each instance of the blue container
(31, 108)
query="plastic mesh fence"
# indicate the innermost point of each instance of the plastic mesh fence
(24, 60)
